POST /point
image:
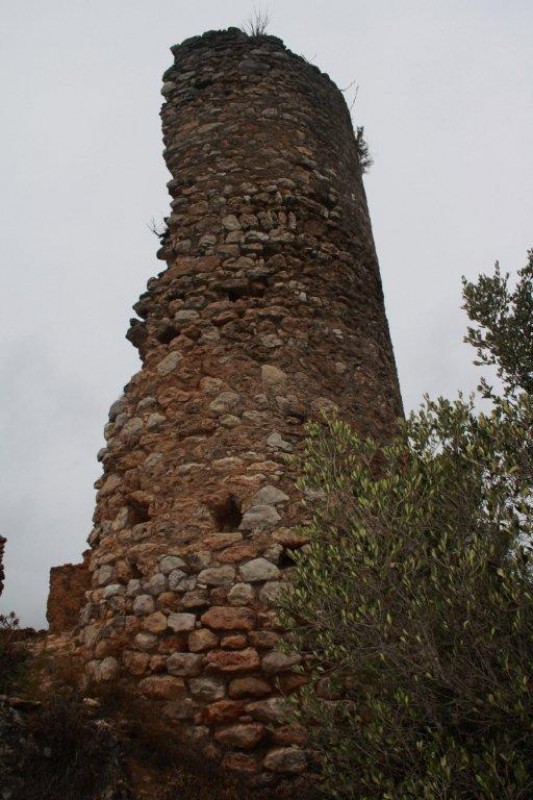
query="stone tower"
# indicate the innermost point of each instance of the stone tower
(269, 311)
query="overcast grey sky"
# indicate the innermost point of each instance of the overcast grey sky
(446, 98)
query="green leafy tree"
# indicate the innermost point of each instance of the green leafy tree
(413, 601)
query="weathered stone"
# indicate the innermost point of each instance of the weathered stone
(290, 682)
(241, 594)
(107, 669)
(211, 386)
(199, 560)
(217, 576)
(222, 711)
(272, 710)
(170, 563)
(274, 379)
(279, 662)
(276, 442)
(197, 598)
(113, 589)
(259, 517)
(207, 690)
(143, 604)
(201, 640)
(258, 570)
(290, 538)
(145, 641)
(163, 687)
(220, 540)
(244, 736)
(181, 622)
(270, 592)
(105, 575)
(156, 585)
(135, 663)
(131, 430)
(169, 363)
(155, 421)
(167, 602)
(231, 662)
(237, 553)
(249, 687)
(184, 664)
(134, 587)
(239, 762)
(231, 223)
(229, 618)
(263, 638)
(273, 553)
(285, 759)
(175, 579)
(155, 623)
(225, 403)
(269, 496)
(186, 315)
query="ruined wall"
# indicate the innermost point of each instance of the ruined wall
(269, 310)
(68, 585)
(2, 575)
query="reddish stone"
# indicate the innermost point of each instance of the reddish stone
(231, 662)
(263, 638)
(172, 643)
(136, 663)
(163, 687)
(234, 642)
(202, 639)
(290, 538)
(168, 601)
(235, 554)
(239, 762)
(245, 736)
(290, 682)
(290, 734)
(218, 596)
(249, 687)
(223, 711)
(229, 618)
(68, 585)
(158, 663)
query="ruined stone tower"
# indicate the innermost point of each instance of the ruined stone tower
(269, 310)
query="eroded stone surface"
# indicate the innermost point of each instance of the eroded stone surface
(2, 573)
(268, 312)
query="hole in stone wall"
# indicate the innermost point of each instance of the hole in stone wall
(286, 559)
(138, 512)
(135, 572)
(227, 514)
(235, 294)
(167, 334)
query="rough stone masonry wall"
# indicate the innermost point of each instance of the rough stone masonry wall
(68, 585)
(2, 575)
(270, 309)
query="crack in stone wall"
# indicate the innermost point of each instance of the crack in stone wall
(268, 312)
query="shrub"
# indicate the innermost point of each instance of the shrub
(13, 655)
(363, 151)
(257, 23)
(414, 600)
